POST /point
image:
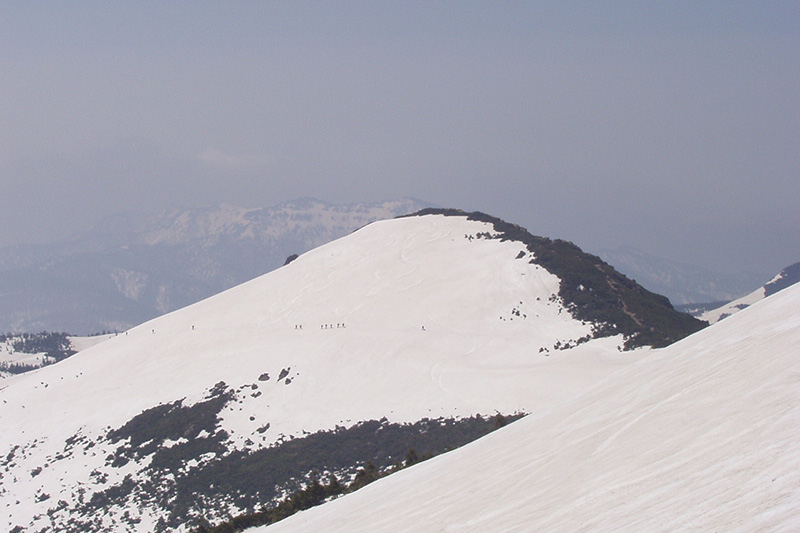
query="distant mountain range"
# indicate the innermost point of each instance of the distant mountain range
(400, 340)
(785, 278)
(130, 268)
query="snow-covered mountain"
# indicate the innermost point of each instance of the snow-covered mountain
(130, 268)
(681, 283)
(425, 317)
(785, 278)
(703, 435)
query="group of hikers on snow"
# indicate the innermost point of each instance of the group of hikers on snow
(322, 326)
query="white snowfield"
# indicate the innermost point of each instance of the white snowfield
(403, 319)
(703, 435)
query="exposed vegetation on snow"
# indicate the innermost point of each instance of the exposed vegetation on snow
(49, 347)
(352, 458)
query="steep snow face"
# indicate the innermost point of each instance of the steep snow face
(404, 319)
(703, 435)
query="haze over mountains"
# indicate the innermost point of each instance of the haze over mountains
(681, 283)
(131, 267)
(434, 316)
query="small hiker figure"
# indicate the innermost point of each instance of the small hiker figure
(423, 328)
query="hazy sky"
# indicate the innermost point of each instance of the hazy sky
(673, 127)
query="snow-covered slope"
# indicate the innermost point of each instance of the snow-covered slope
(786, 277)
(703, 435)
(404, 319)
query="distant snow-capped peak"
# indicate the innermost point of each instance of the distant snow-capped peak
(785, 278)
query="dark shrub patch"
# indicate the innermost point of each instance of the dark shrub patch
(367, 451)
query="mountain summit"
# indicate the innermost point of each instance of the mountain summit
(593, 290)
(405, 321)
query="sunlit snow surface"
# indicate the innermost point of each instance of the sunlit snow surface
(701, 436)
(403, 319)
